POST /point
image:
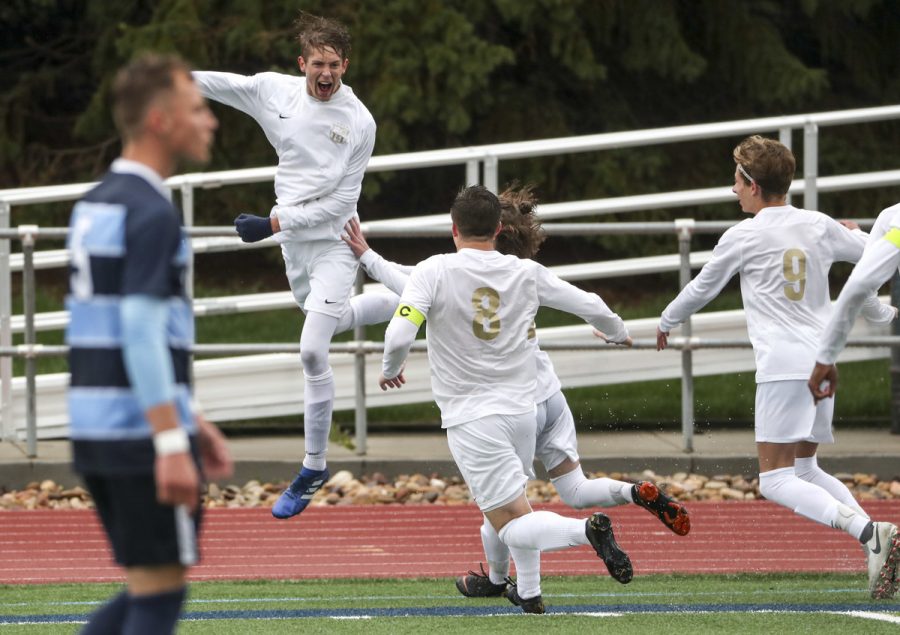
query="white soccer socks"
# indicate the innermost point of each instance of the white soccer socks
(580, 492)
(496, 553)
(528, 535)
(318, 396)
(545, 531)
(808, 469)
(811, 501)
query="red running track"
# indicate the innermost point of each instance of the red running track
(432, 541)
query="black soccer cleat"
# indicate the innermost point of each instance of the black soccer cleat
(670, 512)
(479, 585)
(531, 605)
(598, 529)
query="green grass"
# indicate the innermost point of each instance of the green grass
(704, 594)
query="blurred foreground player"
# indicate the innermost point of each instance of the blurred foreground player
(136, 441)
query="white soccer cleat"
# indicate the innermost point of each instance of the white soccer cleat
(883, 555)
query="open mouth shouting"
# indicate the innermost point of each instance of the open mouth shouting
(325, 89)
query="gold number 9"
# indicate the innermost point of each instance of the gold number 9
(795, 274)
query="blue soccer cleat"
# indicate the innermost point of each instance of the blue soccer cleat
(296, 497)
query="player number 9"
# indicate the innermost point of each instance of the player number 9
(795, 274)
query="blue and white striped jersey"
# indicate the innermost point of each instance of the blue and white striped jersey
(125, 239)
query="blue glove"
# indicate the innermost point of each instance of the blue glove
(252, 228)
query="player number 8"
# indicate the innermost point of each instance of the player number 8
(486, 323)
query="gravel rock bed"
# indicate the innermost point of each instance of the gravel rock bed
(418, 489)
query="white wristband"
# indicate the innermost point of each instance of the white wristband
(171, 441)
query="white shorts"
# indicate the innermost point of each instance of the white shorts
(494, 455)
(556, 440)
(321, 274)
(785, 413)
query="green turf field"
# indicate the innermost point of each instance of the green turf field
(783, 603)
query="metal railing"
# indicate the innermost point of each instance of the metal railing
(482, 165)
(684, 229)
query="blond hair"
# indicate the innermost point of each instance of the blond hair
(767, 162)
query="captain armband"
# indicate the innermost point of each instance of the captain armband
(893, 237)
(410, 313)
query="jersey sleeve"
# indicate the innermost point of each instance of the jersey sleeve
(145, 350)
(390, 274)
(241, 92)
(415, 302)
(846, 245)
(558, 294)
(715, 274)
(340, 203)
(883, 222)
(876, 266)
(152, 245)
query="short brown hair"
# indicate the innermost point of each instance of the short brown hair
(138, 84)
(314, 32)
(476, 212)
(522, 234)
(768, 162)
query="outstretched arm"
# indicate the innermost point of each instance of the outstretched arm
(876, 266)
(390, 274)
(238, 91)
(725, 262)
(559, 294)
(399, 336)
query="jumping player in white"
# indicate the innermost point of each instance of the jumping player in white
(878, 263)
(783, 255)
(481, 307)
(557, 445)
(324, 136)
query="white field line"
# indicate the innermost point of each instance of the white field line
(881, 617)
(375, 598)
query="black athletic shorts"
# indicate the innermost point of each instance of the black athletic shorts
(141, 530)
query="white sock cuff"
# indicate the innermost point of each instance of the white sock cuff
(504, 531)
(319, 389)
(567, 486)
(806, 464)
(318, 380)
(777, 472)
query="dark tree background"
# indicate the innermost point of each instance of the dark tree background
(449, 73)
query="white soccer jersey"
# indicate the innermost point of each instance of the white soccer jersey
(323, 147)
(783, 255)
(877, 265)
(883, 223)
(395, 276)
(480, 306)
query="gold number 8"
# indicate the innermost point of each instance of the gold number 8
(486, 323)
(795, 275)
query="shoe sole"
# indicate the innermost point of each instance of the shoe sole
(680, 524)
(888, 580)
(619, 568)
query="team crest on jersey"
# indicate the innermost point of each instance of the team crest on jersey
(339, 133)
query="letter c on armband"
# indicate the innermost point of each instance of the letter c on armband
(410, 313)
